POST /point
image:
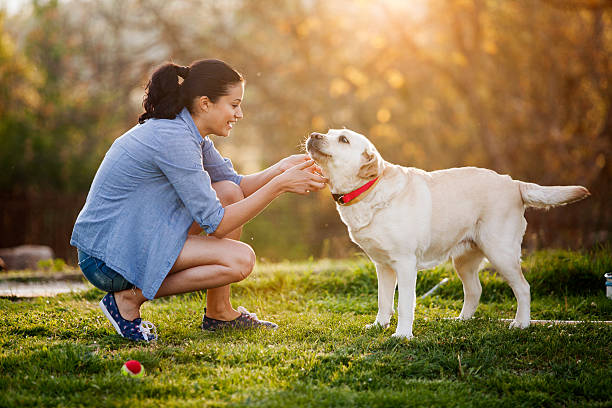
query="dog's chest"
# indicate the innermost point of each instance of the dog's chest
(379, 243)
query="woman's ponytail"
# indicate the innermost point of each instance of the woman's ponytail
(163, 98)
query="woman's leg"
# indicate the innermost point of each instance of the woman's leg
(218, 304)
(205, 262)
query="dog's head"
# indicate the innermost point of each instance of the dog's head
(347, 158)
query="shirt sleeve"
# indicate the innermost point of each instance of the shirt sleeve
(218, 167)
(180, 160)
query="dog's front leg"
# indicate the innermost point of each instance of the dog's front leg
(386, 293)
(406, 285)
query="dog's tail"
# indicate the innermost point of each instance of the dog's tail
(550, 196)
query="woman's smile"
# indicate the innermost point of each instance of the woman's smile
(228, 108)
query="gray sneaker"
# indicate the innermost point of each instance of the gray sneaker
(246, 320)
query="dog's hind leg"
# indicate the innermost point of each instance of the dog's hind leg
(467, 265)
(386, 293)
(500, 240)
(508, 264)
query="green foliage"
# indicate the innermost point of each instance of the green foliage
(55, 121)
(62, 352)
(519, 87)
(568, 273)
(56, 265)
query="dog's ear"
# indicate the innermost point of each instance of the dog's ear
(370, 168)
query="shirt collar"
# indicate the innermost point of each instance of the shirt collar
(186, 117)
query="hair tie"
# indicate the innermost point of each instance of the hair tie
(182, 71)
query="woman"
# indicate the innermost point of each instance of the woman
(164, 178)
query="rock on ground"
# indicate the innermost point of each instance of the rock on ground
(25, 256)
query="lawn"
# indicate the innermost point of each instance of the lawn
(61, 351)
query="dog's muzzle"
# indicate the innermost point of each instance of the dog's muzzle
(313, 145)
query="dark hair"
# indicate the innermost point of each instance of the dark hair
(165, 97)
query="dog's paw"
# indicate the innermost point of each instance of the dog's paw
(376, 325)
(517, 324)
(402, 335)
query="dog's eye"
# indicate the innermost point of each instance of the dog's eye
(343, 139)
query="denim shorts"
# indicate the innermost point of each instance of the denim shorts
(100, 275)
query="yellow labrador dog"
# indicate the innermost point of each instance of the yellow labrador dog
(407, 219)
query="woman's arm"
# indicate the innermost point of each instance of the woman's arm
(299, 179)
(254, 182)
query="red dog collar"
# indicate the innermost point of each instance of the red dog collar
(345, 199)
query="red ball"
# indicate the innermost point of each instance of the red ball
(133, 366)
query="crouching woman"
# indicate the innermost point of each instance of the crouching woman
(163, 182)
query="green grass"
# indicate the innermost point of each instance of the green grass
(62, 352)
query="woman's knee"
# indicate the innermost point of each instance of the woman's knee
(228, 192)
(243, 262)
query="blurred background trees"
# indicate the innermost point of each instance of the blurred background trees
(523, 88)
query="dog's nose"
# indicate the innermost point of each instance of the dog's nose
(316, 135)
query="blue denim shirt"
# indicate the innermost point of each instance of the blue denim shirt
(154, 181)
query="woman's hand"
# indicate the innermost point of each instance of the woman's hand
(293, 160)
(301, 178)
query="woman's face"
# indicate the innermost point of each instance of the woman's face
(226, 111)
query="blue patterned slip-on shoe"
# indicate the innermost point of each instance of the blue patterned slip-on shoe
(137, 329)
(246, 320)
